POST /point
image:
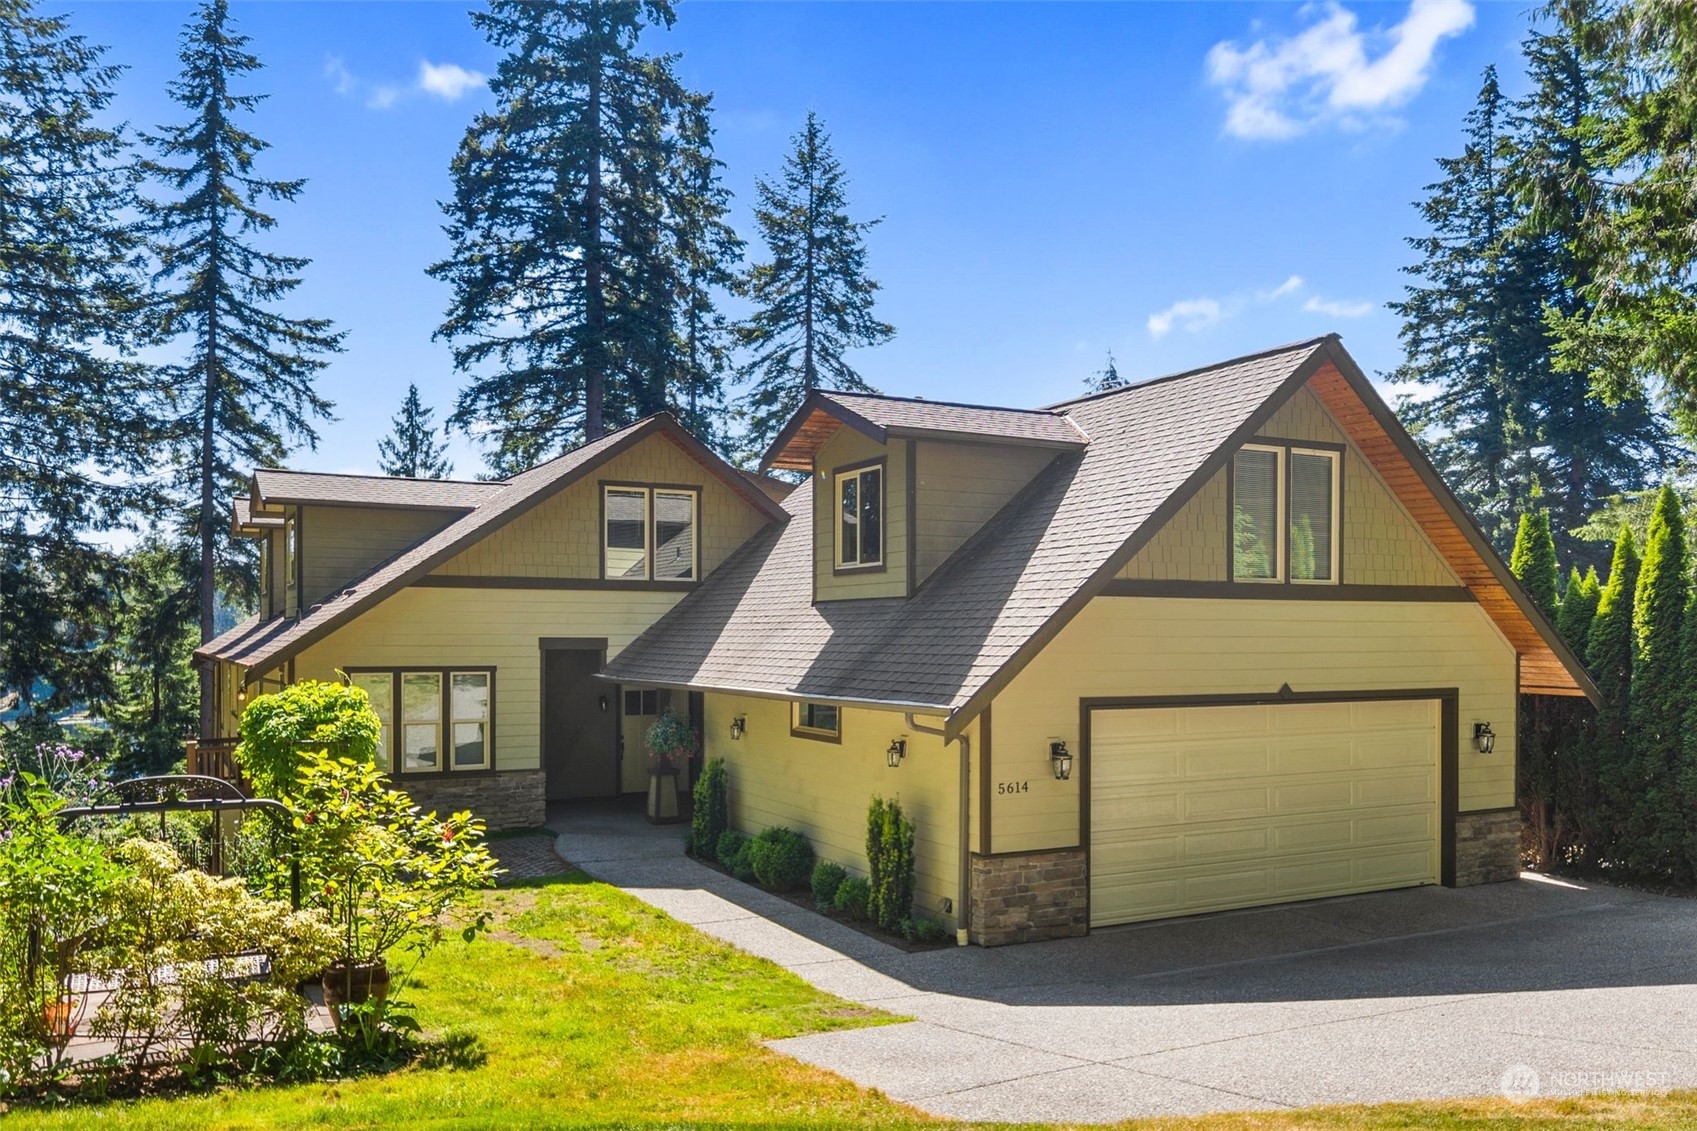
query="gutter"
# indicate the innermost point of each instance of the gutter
(963, 918)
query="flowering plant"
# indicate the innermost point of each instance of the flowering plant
(70, 773)
(670, 743)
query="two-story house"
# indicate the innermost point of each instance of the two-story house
(1215, 640)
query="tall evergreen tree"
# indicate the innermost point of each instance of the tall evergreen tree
(1590, 449)
(411, 448)
(1533, 561)
(76, 413)
(245, 383)
(1609, 653)
(1106, 378)
(813, 298)
(155, 693)
(1656, 717)
(1472, 326)
(587, 229)
(1579, 609)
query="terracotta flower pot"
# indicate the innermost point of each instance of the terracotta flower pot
(61, 1018)
(354, 983)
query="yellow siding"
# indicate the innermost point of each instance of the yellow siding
(845, 448)
(342, 543)
(429, 627)
(1381, 544)
(1151, 646)
(959, 486)
(561, 537)
(822, 789)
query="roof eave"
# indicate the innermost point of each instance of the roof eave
(816, 400)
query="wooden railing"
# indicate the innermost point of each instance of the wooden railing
(215, 758)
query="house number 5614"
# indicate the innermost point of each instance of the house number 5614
(1006, 787)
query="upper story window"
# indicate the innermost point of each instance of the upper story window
(649, 533)
(860, 516)
(816, 720)
(1285, 504)
(291, 553)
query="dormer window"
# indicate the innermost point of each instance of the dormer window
(860, 516)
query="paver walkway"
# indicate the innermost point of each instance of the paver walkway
(1416, 994)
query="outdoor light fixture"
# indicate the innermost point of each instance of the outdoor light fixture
(1060, 761)
(896, 752)
(738, 725)
(603, 701)
(1484, 737)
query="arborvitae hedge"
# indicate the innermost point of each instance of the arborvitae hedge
(1534, 560)
(1652, 832)
(1609, 654)
(889, 860)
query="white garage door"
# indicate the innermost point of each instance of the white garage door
(1204, 808)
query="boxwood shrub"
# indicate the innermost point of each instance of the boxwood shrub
(732, 852)
(851, 898)
(781, 858)
(827, 878)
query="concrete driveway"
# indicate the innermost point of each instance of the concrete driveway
(1416, 994)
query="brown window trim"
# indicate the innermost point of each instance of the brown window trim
(445, 770)
(838, 569)
(601, 488)
(813, 734)
(1285, 443)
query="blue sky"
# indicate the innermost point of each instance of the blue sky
(1177, 182)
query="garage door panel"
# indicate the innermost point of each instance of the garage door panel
(1206, 808)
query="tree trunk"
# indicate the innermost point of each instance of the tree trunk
(208, 548)
(595, 314)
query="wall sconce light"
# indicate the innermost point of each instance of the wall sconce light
(1484, 738)
(1060, 761)
(602, 700)
(241, 694)
(739, 724)
(896, 752)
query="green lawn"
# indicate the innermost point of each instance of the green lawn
(597, 1010)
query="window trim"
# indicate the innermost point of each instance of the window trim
(1285, 447)
(650, 531)
(835, 505)
(445, 719)
(814, 734)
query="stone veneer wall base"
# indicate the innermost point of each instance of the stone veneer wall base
(1029, 896)
(506, 799)
(1487, 847)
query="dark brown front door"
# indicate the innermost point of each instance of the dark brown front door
(580, 745)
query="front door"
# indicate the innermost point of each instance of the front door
(580, 726)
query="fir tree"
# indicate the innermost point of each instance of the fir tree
(1610, 651)
(156, 693)
(245, 384)
(412, 449)
(1533, 561)
(586, 224)
(1656, 718)
(1472, 326)
(813, 298)
(1106, 378)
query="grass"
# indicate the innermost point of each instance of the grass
(597, 1010)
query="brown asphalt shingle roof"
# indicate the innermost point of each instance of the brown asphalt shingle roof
(751, 626)
(913, 414)
(279, 486)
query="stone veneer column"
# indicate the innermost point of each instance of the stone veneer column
(508, 799)
(1029, 896)
(1487, 847)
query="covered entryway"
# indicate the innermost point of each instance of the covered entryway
(1203, 808)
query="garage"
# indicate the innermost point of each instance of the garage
(1204, 808)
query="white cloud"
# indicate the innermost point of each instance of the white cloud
(341, 79)
(382, 97)
(1289, 287)
(447, 81)
(1318, 305)
(1191, 314)
(1278, 87)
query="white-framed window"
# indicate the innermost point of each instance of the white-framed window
(291, 551)
(649, 533)
(1285, 510)
(434, 720)
(817, 720)
(860, 517)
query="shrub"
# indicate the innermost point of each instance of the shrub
(827, 878)
(732, 851)
(850, 899)
(924, 929)
(889, 857)
(277, 729)
(712, 809)
(781, 858)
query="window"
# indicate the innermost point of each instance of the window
(860, 512)
(643, 702)
(1285, 514)
(817, 720)
(650, 533)
(290, 555)
(445, 720)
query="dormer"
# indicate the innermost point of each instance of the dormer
(900, 484)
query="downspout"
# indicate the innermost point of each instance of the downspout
(963, 917)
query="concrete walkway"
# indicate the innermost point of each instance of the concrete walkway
(1405, 995)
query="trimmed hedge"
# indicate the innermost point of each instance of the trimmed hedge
(712, 810)
(889, 857)
(732, 851)
(780, 858)
(827, 878)
(850, 899)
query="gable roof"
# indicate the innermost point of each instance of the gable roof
(879, 417)
(1020, 579)
(275, 485)
(264, 646)
(245, 522)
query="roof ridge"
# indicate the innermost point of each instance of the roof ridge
(945, 404)
(1288, 347)
(386, 478)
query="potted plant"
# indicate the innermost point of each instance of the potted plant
(385, 873)
(671, 744)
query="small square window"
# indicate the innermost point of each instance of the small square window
(817, 720)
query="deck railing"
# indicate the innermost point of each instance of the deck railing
(214, 758)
